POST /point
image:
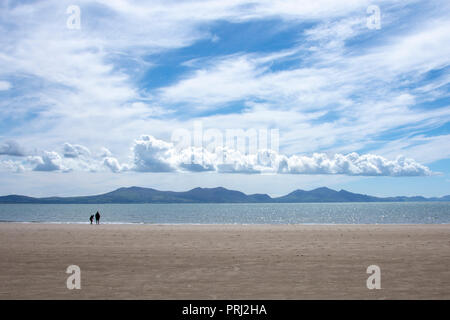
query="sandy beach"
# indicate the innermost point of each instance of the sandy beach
(224, 261)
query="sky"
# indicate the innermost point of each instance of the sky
(258, 96)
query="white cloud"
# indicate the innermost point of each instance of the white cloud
(11, 148)
(153, 155)
(74, 151)
(50, 161)
(114, 165)
(10, 165)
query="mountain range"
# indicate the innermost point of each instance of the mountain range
(214, 195)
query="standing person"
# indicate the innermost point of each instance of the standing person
(91, 218)
(97, 218)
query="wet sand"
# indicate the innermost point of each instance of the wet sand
(224, 261)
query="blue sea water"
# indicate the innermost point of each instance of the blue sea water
(269, 213)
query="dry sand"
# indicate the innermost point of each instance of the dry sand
(224, 262)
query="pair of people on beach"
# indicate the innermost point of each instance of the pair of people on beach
(97, 218)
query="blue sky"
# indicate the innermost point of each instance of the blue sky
(87, 110)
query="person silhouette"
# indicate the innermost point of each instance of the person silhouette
(97, 218)
(91, 218)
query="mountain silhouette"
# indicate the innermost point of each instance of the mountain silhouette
(214, 195)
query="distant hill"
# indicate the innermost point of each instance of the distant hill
(326, 195)
(213, 195)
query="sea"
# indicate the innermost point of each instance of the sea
(242, 213)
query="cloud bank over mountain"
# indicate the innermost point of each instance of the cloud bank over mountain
(149, 154)
(153, 155)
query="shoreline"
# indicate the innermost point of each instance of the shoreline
(222, 224)
(119, 261)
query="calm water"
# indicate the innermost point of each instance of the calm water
(306, 213)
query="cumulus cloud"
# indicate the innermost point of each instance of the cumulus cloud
(74, 151)
(53, 161)
(14, 166)
(11, 148)
(153, 155)
(74, 158)
(114, 164)
(50, 161)
(351, 164)
(150, 154)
